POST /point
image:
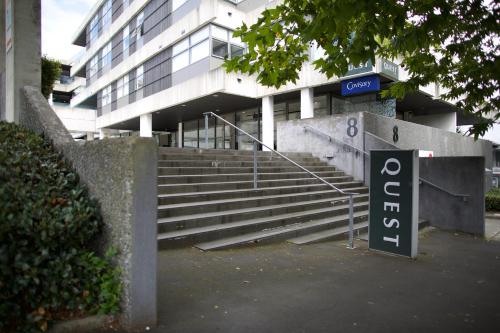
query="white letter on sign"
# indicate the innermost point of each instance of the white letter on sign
(392, 240)
(386, 185)
(391, 172)
(391, 223)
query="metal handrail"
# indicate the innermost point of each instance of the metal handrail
(255, 140)
(423, 180)
(332, 139)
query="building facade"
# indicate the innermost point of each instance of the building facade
(153, 67)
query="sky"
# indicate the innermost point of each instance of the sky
(60, 19)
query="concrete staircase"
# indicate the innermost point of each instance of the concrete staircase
(206, 199)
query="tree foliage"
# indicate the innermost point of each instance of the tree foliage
(51, 71)
(453, 42)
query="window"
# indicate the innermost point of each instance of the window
(106, 55)
(219, 48)
(191, 49)
(93, 30)
(180, 61)
(138, 25)
(126, 38)
(106, 14)
(122, 87)
(106, 96)
(199, 51)
(177, 3)
(139, 78)
(94, 66)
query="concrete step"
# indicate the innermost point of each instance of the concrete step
(189, 197)
(212, 178)
(283, 232)
(201, 151)
(224, 157)
(336, 233)
(205, 233)
(340, 182)
(205, 206)
(168, 224)
(189, 170)
(232, 163)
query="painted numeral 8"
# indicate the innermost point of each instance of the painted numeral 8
(352, 130)
(395, 134)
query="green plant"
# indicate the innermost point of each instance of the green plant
(492, 199)
(51, 71)
(47, 222)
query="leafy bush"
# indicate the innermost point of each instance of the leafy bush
(47, 221)
(492, 199)
(51, 72)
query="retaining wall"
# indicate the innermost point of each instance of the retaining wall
(121, 175)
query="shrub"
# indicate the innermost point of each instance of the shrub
(47, 221)
(51, 72)
(492, 199)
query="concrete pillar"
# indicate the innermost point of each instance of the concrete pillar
(90, 136)
(23, 52)
(2, 60)
(268, 121)
(306, 103)
(179, 135)
(146, 125)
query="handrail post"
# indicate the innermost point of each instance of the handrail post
(351, 223)
(206, 130)
(255, 164)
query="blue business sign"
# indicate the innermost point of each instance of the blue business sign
(360, 85)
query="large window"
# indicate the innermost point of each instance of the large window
(94, 28)
(106, 14)
(126, 40)
(191, 49)
(139, 77)
(139, 26)
(122, 87)
(224, 44)
(94, 66)
(106, 96)
(106, 55)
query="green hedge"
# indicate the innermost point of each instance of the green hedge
(47, 221)
(492, 201)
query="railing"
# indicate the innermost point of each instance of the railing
(257, 141)
(422, 180)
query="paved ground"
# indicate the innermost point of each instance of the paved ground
(453, 286)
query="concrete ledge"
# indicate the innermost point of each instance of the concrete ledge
(121, 175)
(83, 325)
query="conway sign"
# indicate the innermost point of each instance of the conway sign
(394, 201)
(360, 85)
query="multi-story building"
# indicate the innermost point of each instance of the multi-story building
(155, 66)
(79, 121)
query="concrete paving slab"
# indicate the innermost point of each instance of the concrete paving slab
(453, 286)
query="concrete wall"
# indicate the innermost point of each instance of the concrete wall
(121, 175)
(374, 132)
(460, 175)
(2, 60)
(76, 119)
(23, 60)
(444, 121)
(345, 128)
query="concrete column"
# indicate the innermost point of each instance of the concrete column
(2, 60)
(103, 133)
(90, 136)
(23, 53)
(268, 121)
(146, 125)
(179, 134)
(306, 103)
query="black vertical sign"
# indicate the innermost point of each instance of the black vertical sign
(394, 201)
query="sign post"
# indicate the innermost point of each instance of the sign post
(394, 201)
